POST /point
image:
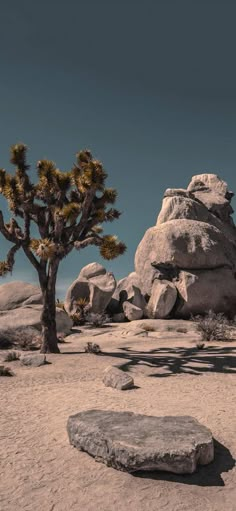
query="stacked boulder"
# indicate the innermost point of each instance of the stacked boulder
(127, 300)
(186, 263)
(95, 285)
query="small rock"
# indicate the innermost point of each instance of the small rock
(117, 379)
(132, 312)
(33, 360)
(162, 300)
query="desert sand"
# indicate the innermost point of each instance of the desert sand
(40, 470)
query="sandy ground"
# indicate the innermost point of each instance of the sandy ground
(41, 471)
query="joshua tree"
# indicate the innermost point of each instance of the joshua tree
(67, 208)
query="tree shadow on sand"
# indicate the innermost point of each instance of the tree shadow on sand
(181, 360)
(210, 475)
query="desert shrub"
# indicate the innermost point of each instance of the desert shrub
(200, 345)
(79, 317)
(6, 371)
(11, 356)
(28, 339)
(212, 326)
(96, 320)
(25, 338)
(91, 347)
(60, 305)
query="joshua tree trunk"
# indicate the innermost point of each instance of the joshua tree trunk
(48, 318)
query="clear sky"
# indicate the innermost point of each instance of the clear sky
(148, 85)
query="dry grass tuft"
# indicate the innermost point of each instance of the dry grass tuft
(213, 326)
(6, 371)
(24, 338)
(91, 347)
(11, 356)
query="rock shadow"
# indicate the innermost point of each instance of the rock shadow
(179, 360)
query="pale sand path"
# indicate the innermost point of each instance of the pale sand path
(40, 471)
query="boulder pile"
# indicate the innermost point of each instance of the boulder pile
(186, 263)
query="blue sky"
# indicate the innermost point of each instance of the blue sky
(149, 87)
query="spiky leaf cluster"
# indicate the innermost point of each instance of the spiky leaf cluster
(45, 248)
(111, 248)
(4, 268)
(67, 207)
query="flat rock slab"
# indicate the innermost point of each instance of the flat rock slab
(131, 442)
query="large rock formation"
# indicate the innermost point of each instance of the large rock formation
(131, 442)
(21, 307)
(30, 316)
(184, 265)
(94, 284)
(193, 246)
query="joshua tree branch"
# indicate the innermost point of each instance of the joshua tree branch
(11, 256)
(31, 257)
(85, 213)
(8, 235)
(91, 240)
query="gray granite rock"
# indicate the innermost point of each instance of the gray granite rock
(203, 290)
(131, 442)
(33, 359)
(187, 244)
(30, 316)
(116, 378)
(17, 294)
